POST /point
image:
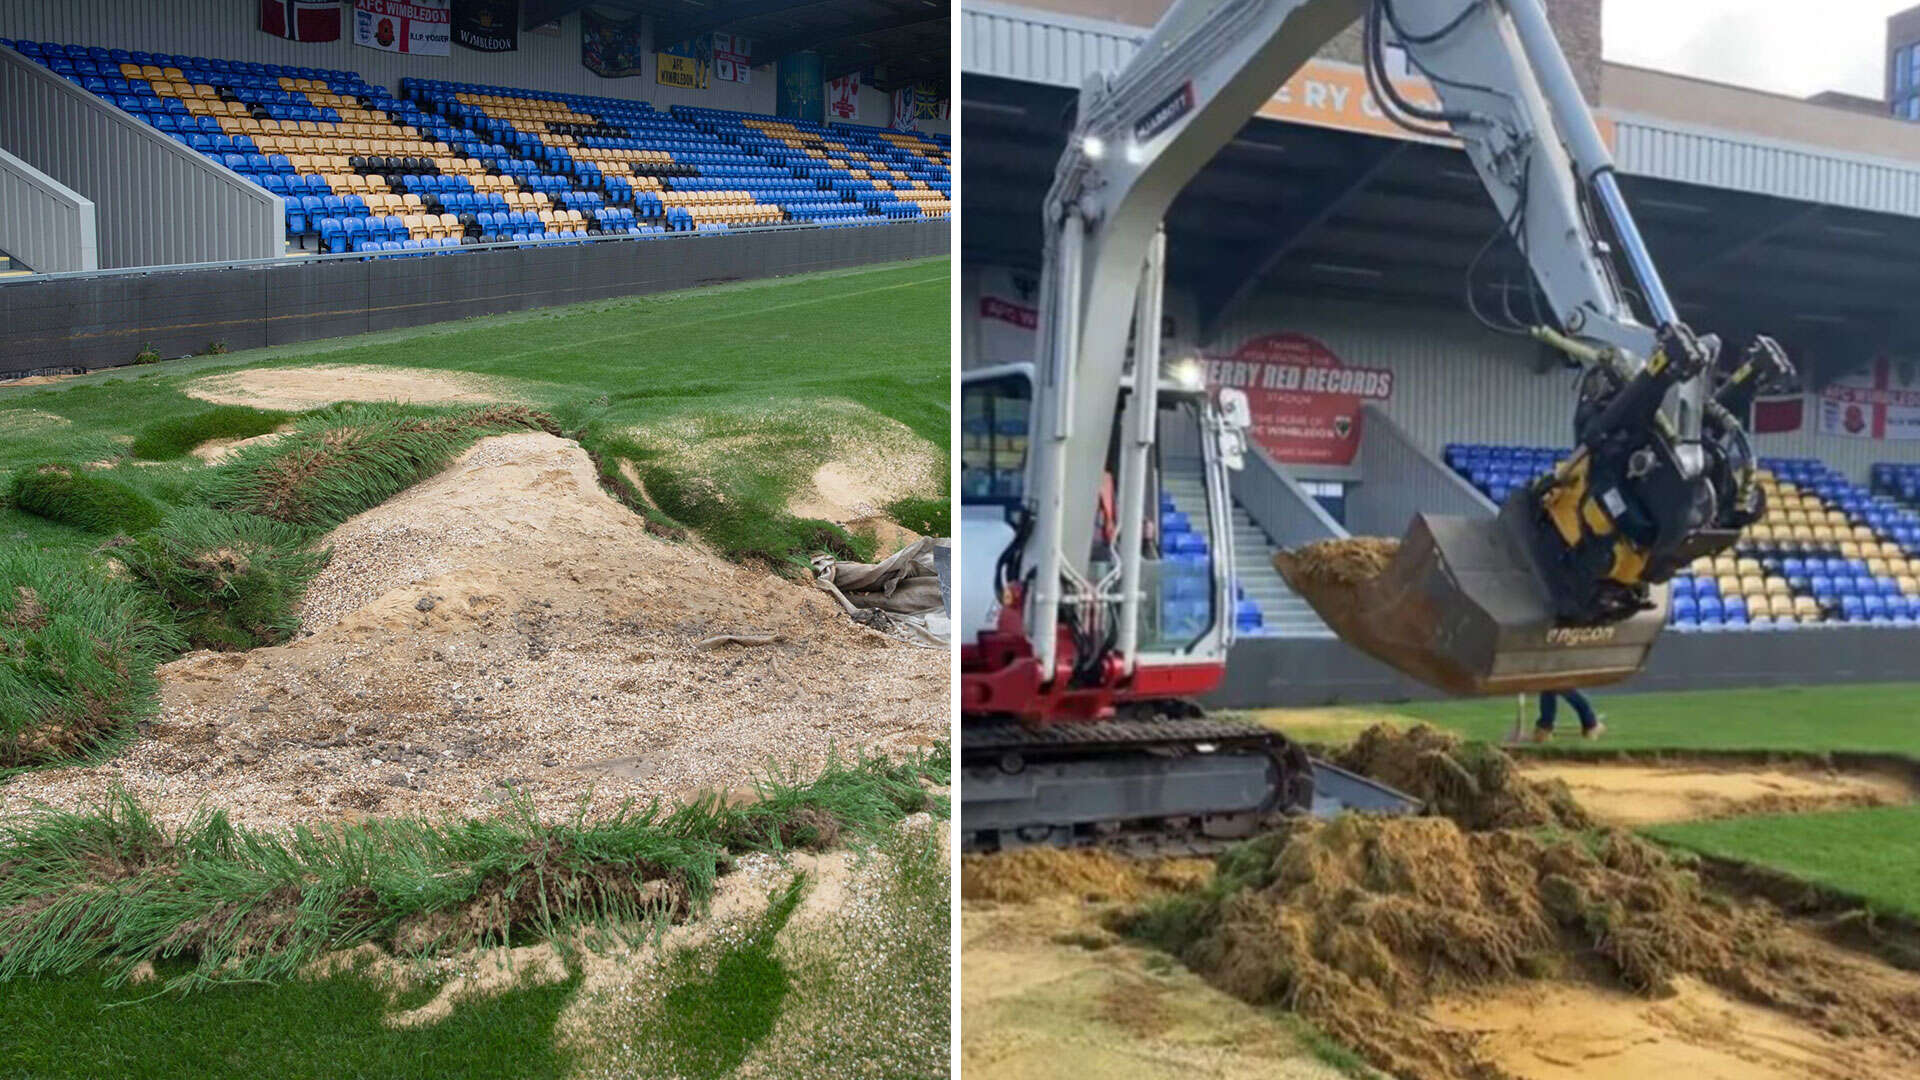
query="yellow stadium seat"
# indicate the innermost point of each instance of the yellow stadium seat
(1823, 534)
(1849, 549)
(1877, 566)
(1806, 609)
(1752, 584)
(1777, 587)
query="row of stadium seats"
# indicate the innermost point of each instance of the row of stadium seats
(1186, 580)
(1827, 552)
(345, 154)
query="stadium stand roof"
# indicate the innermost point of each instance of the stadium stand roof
(908, 38)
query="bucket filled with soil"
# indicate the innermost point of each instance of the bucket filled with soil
(1457, 605)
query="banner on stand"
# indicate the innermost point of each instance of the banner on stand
(423, 27)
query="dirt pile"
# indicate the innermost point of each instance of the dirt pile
(1359, 924)
(1631, 794)
(296, 388)
(1351, 562)
(1092, 875)
(507, 630)
(1342, 581)
(1475, 784)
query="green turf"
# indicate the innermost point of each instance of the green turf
(77, 1028)
(875, 337)
(726, 998)
(177, 436)
(1863, 717)
(1871, 855)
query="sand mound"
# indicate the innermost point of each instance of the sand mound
(1630, 794)
(322, 384)
(504, 628)
(1021, 877)
(1359, 924)
(1047, 993)
(1474, 784)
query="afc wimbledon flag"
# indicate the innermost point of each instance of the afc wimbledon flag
(487, 25)
(408, 26)
(301, 20)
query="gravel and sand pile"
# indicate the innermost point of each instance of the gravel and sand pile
(508, 629)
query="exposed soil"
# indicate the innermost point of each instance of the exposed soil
(1046, 993)
(1513, 937)
(504, 628)
(1563, 1031)
(22, 420)
(1090, 875)
(296, 388)
(215, 451)
(1630, 795)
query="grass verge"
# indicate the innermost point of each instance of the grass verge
(112, 887)
(231, 580)
(71, 495)
(1860, 717)
(177, 436)
(77, 656)
(348, 458)
(1869, 855)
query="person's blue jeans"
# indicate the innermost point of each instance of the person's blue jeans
(1550, 705)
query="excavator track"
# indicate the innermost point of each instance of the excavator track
(1161, 786)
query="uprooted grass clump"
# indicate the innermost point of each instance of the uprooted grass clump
(749, 530)
(1473, 783)
(73, 495)
(113, 887)
(345, 459)
(77, 656)
(177, 436)
(928, 517)
(232, 580)
(1358, 923)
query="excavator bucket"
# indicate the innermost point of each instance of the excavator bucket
(1460, 605)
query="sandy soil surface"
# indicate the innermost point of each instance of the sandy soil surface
(1566, 1031)
(296, 388)
(1047, 993)
(1632, 795)
(507, 627)
(30, 420)
(215, 451)
(39, 380)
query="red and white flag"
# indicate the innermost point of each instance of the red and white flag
(843, 97)
(408, 26)
(301, 20)
(1881, 402)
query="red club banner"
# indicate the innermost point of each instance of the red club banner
(1305, 402)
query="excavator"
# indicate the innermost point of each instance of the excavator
(1087, 631)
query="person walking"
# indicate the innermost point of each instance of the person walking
(1591, 726)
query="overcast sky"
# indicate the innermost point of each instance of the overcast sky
(1796, 47)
